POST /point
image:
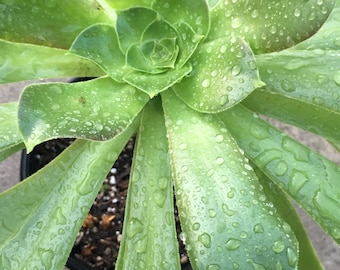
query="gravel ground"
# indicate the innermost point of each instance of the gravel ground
(327, 249)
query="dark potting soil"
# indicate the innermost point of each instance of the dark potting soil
(97, 244)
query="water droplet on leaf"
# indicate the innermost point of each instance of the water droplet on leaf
(205, 239)
(258, 228)
(278, 246)
(233, 244)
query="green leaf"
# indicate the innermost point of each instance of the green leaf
(328, 37)
(97, 110)
(39, 229)
(10, 137)
(308, 258)
(158, 50)
(269, 25)
(152, 84)
(304, 85)
(51, 23)
(226, 219)
(131, 24)
(120, 4)
(108, 55)
(296, 112)
(309, 178)
(310, 76)
(21, 62)
(224, 72)
(188, 41)
(7, 152)
(192, 12)
(149, 234)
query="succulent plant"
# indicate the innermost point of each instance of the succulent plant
(191, 78)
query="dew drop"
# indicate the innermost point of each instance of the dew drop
(243, 235)
(98, 127)
(312, 16)
(258, 228)
(255, 13)
(278, 246)
(227, 210)
(159, 198)
(214, 73)
(297, 181)
(292, 257)
(185, 168)
(286, 227)
(219, 161)
(204, 200)
(231, 193)
(206, 83)
(196, 226)
(205, 239)
(224, 100)
(163, 183)
(297, 12)
(236, 70)
(39, 225)
(281, 168)
(233, 244)
(337, 41)
(336, 78)
(236, 22)
(219, 138)
(287, 86)
(135, 226)
(213, 267)
(212, 213)
(141, 245)
(335, 233)
(322, 79)
(248, 167)
(236, 265)
(256, 266)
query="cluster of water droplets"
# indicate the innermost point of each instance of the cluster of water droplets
(264, 25)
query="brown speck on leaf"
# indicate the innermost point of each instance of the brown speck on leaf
(82, 100)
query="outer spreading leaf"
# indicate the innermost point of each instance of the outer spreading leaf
(310, 76)
(51, 23)
(296, 112)
(327, 38)
(39, 229)
(269, 25)
(307, 77)
(149, 234)
(98, 110)
(224, 72)
(309, 178)
(10, 138)
(108, 55)
(308, 258)
(21, 62)
(225, 216)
